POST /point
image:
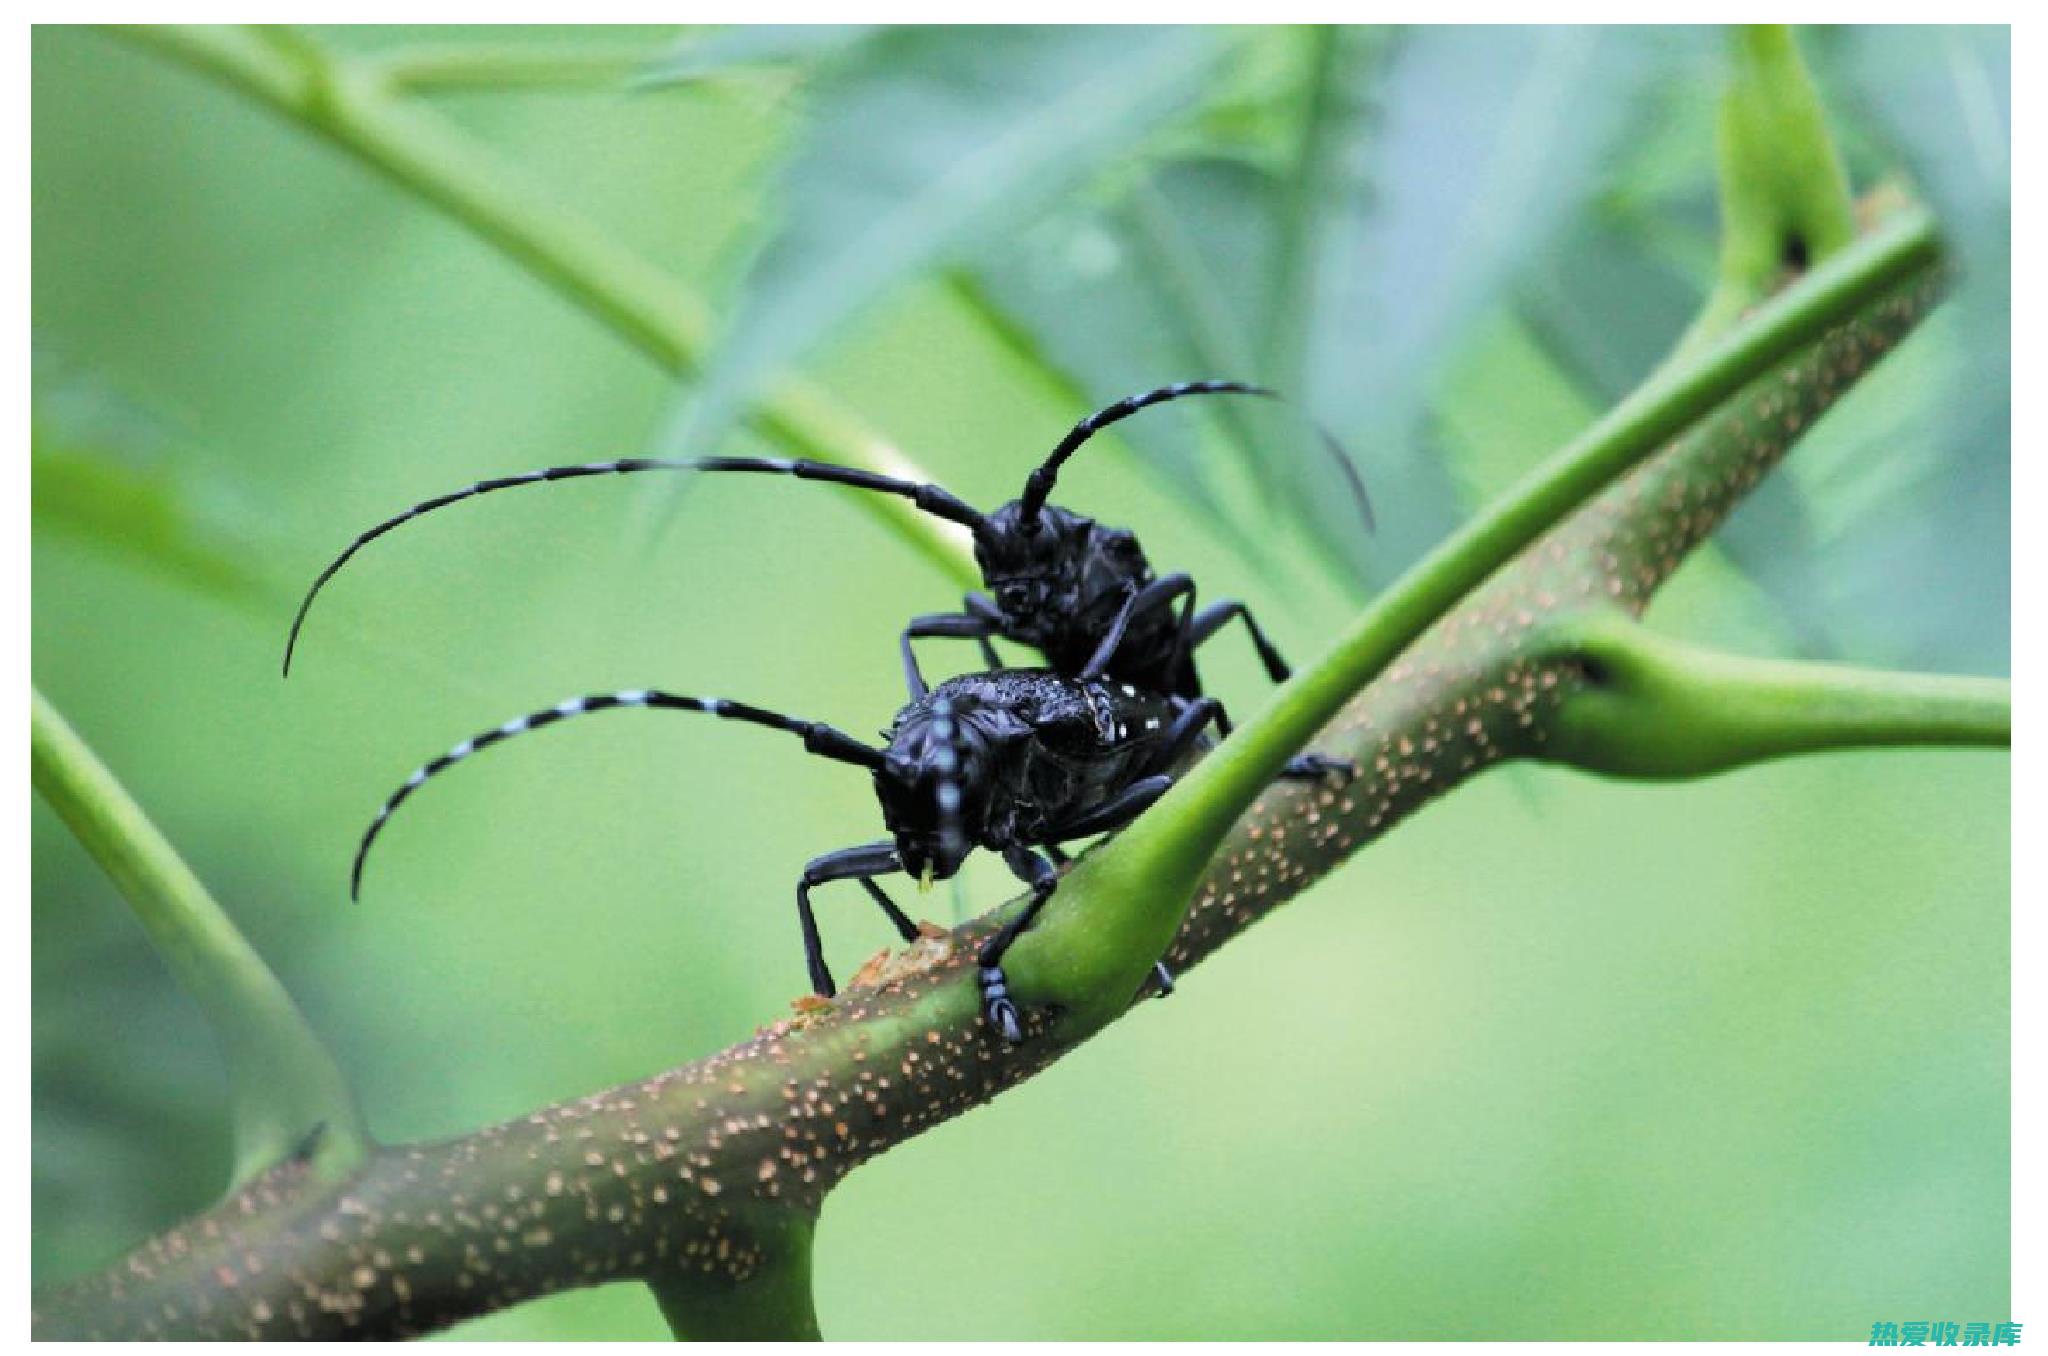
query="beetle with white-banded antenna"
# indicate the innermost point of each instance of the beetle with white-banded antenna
(1017, 761)
(1078, 591)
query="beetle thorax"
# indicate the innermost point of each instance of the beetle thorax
(1056, 575)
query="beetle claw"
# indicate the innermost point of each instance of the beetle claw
(1316, 767)
(996, 1006)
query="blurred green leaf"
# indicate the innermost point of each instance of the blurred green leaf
(1604, 305)
(1784, 193)
(1943, 98)
(1626, 278)
(1193, 229)
(1478, 144)
(1116, 296)
(1887, 540)
(720, 50)
(125, 1083)
(1891, 541)
(1427, 173)
(1073, 296)
(1070, 268)
(1171, 274)
(915, 147)
(98, 473)
(1334, 63)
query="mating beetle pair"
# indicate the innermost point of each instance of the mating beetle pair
(1012, 759)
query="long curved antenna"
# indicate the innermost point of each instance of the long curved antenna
(1349, 470)
(1038, 486)
(819, 739)
(932, 499)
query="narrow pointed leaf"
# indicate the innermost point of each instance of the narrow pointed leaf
(744, 45)
(922, 142)
(96, 474)
(1493, 137)
(1889, 541)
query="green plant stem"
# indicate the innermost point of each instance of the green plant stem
(348, 103)
(1168, 847)
(1785, 200)
(1631, 432)
(290, 1099)
(496, 68)
(1654, 707)
(774, 1304)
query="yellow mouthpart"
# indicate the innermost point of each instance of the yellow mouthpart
(924, 882)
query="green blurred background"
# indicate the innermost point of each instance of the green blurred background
(1560, 1058)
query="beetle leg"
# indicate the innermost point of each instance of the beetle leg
(1159, 593)
(905, 928)
(982, 606)
(1119, 810)
(1307, 767)
(1186, 731)
(943, 624)
(854, 863)
(1212, 619)
(1098, 663)
(1315, 767)
(996, 1006)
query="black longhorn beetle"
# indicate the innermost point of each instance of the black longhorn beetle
(1011, 760)
(1079, 592)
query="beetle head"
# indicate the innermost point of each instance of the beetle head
(933, 785)
(1028, 559)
